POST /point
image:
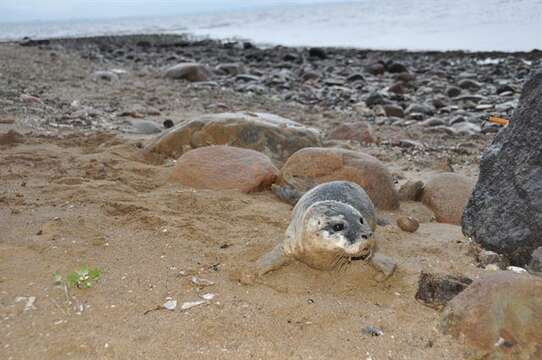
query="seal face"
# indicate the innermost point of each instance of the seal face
(331, 224)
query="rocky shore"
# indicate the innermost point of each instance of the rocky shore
(153, 157)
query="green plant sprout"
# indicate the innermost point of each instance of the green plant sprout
(83, 278)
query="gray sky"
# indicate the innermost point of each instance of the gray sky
(27, 10)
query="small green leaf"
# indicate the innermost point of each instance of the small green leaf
(95, 274)
(73, 279)
(57, 278)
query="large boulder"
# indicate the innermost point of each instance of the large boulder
(312, 166)
(504, 213)
(188, 71)
(446, 194)
(499, 316)
(225, 167)
(273, 135)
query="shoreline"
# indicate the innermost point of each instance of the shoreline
(528, 55)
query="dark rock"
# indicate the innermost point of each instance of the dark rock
(394, 110)
(317, 53)
(375, 99)
(436, 290)
(504, 88)
(499, 316)
(355, 77)
(535, 265)
(405, 77)
(397, 88)
(168, 123)
(247, 78)
(440, 101)
(504, 213)
(469, 84)
(375, 69)
(419, 108)
(452, 91)
(396, 68)
(310, 75)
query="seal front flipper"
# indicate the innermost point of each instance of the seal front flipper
(272, 260)
(384, 264)
(286, 193)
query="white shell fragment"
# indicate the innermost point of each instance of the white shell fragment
(208, 296)
(516, 269)
(190, 304)
(30, 300)
(201, 282)
(170, 305)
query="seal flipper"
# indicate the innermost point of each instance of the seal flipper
(287, 193)
(384, 264)
(272, 260)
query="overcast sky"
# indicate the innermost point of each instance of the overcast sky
(26, 10)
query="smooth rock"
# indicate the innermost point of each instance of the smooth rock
(375, 69)
(394, 110)
(419, 108)
(142, 127)
(535, 265)
(273, 135)
(312, 166)
(105, 76)
(469, 84)
(358, 131)
(446, 194)
(499, 316)
(408, 224)
(411, 191)
(231, 69)
(504, 213)
(452, 91)
(225, 167)
(192, 72)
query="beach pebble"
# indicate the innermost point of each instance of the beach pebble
(408, 224)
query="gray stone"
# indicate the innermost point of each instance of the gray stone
(419, 108)
(504, 213)
(188, 71)
(436, 290)
(469, 84)
(452, 91)
(375, 99)
(535, 265)
(394, 110)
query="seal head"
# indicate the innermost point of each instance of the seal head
(331, 234)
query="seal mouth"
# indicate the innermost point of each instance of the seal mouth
(363, 256)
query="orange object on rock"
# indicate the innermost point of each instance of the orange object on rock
(499, 121)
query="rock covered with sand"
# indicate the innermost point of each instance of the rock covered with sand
(312, 166)
(270, 134)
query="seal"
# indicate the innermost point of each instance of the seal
(332, 224)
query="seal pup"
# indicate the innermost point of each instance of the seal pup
(331, 224)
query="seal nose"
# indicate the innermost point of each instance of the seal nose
(366, 237)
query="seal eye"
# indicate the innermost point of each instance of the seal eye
(338, 227)
(361, 220)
